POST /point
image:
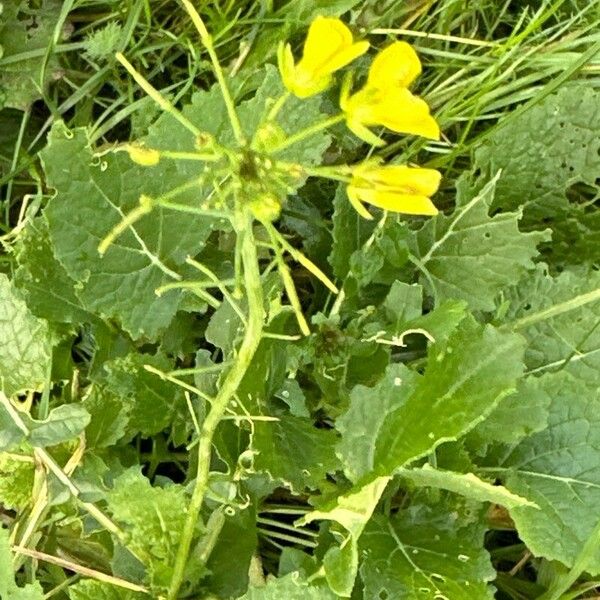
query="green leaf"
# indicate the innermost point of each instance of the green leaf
(519, 415)
(152, 518)
(471, 256)
(50, 292)
(350, 232)
(92, 196)
(293, 452)
(353, 511)
(25, 344)
(290, 587)
(559, 469)
(109, 417)
(64, 423)
(25, 29)
(10, 434)
(426, 553)
(8, 588)
(89, 589)
(546, 155)
(152, 401)
(466, 484)
(230, 559)
(16, 480)
(384, 428)
(560, 318)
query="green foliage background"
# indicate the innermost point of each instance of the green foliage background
(437, 436)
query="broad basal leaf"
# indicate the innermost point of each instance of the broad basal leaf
(384, 427)
(353, 511)
(64, 423)
(559, 469)
(548, 156)
(469, 255)
(92, 197)
(560, 317)
(426, 553)
(519, 415)
(16, 479)
(25, 344)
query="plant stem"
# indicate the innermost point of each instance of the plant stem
(252, 335)
(308, 132)
(210, 48)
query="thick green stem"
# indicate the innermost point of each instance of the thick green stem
(252, 336)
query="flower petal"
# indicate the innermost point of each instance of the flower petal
(410, 204)
(402, 112)
(410, 180)
(396, 65)
(352, 193)
(326, 38)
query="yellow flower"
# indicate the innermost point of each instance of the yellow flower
(386, 100)
(397, 188)
(328, 47)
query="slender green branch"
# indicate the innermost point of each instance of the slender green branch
(308, 132)
(210, 48)
(156, 95)
(247, 349)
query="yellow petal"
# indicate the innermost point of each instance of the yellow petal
(329, 47)
(402, 112)
(410, 204)
(285, 62)
(396, 65)
(409, 180)
(351, 191)
(326, 37)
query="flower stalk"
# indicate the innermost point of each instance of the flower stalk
(246, 351)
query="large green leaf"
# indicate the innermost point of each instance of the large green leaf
(426, 553)
(548, 155)
(471, 256)
(92, 196)
(25, 344)
(384, 428)
(558, 469)
(560, 317)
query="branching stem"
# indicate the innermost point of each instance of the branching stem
(229, 386)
